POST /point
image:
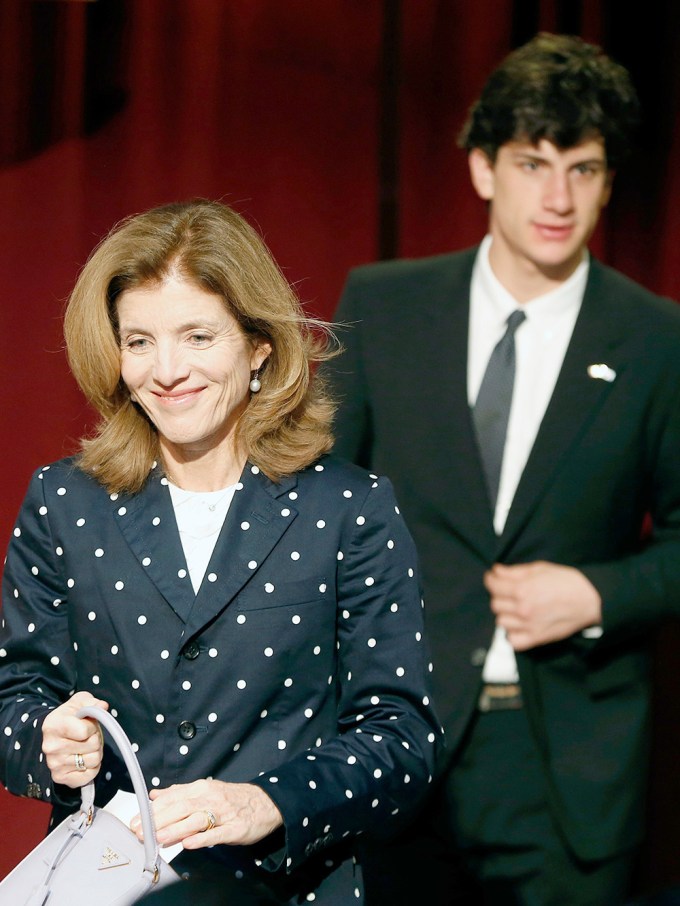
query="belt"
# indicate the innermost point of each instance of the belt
(500, 697)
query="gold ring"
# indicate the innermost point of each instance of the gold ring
(79, 762)
(212, 820)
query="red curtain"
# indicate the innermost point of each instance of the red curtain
(282, 109)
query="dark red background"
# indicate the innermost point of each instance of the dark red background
(332, 127)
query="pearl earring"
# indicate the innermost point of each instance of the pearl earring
(255, 383)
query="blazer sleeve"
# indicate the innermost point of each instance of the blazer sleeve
(34, 678)
(378, 767)
(641, 588)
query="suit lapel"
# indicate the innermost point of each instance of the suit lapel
(149, 527)
(576, 399)
(456, 442)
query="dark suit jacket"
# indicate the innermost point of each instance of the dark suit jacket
(606, 454)
(300, 665)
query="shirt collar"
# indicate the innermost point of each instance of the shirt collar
(547, 307)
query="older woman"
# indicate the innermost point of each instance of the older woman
(247, 606)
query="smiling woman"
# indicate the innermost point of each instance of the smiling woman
(166, 260)
(189, 366)
(248, 606)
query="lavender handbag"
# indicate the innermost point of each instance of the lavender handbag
(92, 857)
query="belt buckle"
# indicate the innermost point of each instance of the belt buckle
(500, 697)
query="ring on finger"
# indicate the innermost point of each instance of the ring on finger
(79, 762)
(211, 820)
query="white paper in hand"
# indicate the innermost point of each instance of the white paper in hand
(125, 806)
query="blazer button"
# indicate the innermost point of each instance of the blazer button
(186, 729)
(33, 791)
(478, 657)
(192, 651)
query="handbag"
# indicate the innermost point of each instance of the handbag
(92, 857)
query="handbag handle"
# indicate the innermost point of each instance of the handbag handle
(124, 746)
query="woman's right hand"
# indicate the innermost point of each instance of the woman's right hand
(73, 746)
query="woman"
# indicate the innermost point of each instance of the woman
(247, 606)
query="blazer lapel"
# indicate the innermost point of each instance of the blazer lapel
(577, 398)
(255, 523)
(147, 521)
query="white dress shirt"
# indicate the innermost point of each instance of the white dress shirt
(540, 345)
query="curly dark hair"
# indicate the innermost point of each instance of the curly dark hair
(559, 88)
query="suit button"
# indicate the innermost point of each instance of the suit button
(186, 729)
(478, 657)
(192, 651)
(33, 791)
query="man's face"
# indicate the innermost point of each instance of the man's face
(544, 205)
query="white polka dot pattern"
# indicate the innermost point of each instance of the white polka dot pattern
(303, 646)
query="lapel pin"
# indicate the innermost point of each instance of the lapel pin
(601, 372)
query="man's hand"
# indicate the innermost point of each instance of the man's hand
(184, 813)
(537, 603)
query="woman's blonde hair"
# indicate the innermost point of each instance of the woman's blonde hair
(285, 427)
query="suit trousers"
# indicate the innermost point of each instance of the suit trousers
(487, 836)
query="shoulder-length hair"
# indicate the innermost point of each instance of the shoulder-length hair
(285, 426)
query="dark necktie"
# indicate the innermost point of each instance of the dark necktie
(492, 407)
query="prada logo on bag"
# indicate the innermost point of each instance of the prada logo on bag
(112, 859)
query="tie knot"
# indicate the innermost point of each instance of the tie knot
(515, 320)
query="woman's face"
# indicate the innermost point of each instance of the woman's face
(186, 362)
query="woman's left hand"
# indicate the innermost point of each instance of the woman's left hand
(208, 812)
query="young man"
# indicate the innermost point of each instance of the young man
(525, 401)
